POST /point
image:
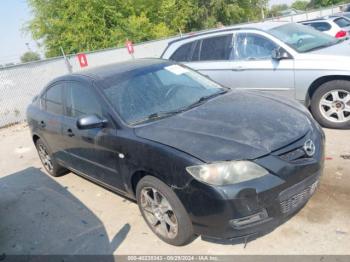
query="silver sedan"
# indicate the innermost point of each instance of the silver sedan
(288, 59)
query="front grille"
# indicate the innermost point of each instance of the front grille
(294, 202)
(294, 155)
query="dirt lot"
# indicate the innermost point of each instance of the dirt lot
(70, 215)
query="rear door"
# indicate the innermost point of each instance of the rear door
(51, 118)
(210, 56)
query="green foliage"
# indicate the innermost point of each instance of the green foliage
(324, 3)
(29, 57)
(276, 9)
(85, 25)
(300, 5)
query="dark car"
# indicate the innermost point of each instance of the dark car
(198, 158)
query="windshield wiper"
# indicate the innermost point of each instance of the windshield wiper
(206, 98)
(154, 116)
(164, 114)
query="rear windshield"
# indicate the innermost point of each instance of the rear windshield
(342, 22)
(320, 26)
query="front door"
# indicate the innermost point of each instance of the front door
(91, 151)
(254, 68)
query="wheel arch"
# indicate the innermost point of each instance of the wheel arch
(137, 176)
(320, 81)
(35, 138)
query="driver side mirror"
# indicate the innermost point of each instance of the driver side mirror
(279, 54)
(90, 122)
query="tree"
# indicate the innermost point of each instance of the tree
(324, 3)
(86, 25)
(29, 57)
(300, 5)
(276, 9)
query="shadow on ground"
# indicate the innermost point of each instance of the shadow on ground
(39, 217)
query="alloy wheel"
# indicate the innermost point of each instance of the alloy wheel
(45, 157)
(159, 213)
(335, 106)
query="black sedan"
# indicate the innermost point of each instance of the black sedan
(198, 158)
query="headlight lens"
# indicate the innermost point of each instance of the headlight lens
(226, 173)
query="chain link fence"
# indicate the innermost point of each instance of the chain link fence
(21, 83)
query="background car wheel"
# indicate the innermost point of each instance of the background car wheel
(163, 212)
(48, 160)
(330, 104)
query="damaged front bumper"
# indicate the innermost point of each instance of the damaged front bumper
(216, 216)
(255, 207)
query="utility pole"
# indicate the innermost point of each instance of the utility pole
(69, 66)
(262, 6)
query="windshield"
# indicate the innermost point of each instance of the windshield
(302, 38)
(142, 94)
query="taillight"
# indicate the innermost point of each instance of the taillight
(340, 34)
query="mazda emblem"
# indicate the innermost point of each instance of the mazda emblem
(309, 148)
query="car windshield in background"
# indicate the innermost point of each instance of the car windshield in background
(158, 91)
(303, 38)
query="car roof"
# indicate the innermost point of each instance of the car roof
(263, 26)
(323, 19)
(102, 72)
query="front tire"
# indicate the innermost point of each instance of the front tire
(330, 104)
(163, 212)
(47, 159)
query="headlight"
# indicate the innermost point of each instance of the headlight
(225, 173)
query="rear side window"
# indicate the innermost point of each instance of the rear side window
(183, 53)
(320, 26)
(53, 99)
(81, 101)
(342, 22)
(216, 48)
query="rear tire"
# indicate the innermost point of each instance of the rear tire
(330, 104)
(164, 212)
(49, 162)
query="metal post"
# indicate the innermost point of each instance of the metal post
(69, 66)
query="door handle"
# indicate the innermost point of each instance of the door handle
(70, 132)
(42, 124)
(238, 68)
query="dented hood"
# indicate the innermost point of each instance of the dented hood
(234, 126)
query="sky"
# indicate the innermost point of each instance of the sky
(13, 15)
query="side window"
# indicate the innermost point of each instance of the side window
(81, 100)
(52, 100)
(183, 53)
(250, 46)
(216, 48)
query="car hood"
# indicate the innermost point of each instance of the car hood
(340, 49)
(237, 125)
